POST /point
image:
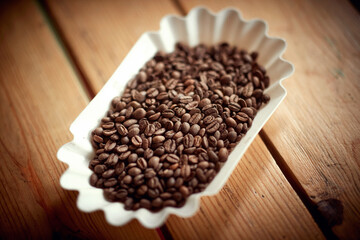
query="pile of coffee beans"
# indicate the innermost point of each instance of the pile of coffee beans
(175, 124)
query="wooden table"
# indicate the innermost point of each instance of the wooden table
(299, 179)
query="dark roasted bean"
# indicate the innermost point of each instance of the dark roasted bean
(93, 179)
(154, 162)
(137, 141)
(175, 125)
(223, 154)
(134, 171)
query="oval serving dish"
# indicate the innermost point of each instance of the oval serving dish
(199, 26)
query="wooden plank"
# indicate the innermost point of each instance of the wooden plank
(256, 203)
(316, 131)
(102, 39)
(40, 96)
(109, 28)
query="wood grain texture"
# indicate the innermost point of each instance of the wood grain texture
(100, 34)
(268, 216)
(316, 130)
(40, 96)
(256, 203)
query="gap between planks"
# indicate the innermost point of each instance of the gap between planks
(65, 47)
(295, 184)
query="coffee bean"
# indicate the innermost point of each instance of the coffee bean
(185, 127)
(154, 116)
(248, 111)
(127, 179)
(231, 122)
(212, 156)
(223, 154)
(99, 169)
(145, 203)
(98, 139)
(103, 156)
(149, 173)
(150, 130)
(172, 158)
(154, 162)
(232, 136)
(93, 179)
(158, 139)
(137, 141)
(133, 132)
(134, 171)
(169, 203)
(212, 127)
(174, 126)
(139, 113)
(186, 117)
(124, 156)
(170, 145)
(110, 182)
(157, 202)
(112, 160)
(242, 117)
(185, 171)
(191, 105)
(186, 99)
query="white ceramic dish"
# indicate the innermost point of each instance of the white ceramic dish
(199, 26)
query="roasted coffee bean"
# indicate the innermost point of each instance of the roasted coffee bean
(155, 116)
(134, 171)
(93, 179)
(127, 179)
(121, 129)
(110, 182)
(185, 171)
(197, 141)
(170, 145)
(150, 130)
(223, 154)
(231, 122)
(212, 127)
(112, 160)
(145, 203)
(124, 156)
(213, 156)
(141, 163)
(98, 139)
(242, 117)
(122, 193)
(194, 129)
(109, 173)
(157, 202)
(149, 173)
(172, 158)
(103, 156)
(248, 111)
(175, 125)
(139, 113)
(154, 162)
(133, 132)
(232, 136)
(185, 127)
(169, 203)
(158, 139)
(138, 179)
